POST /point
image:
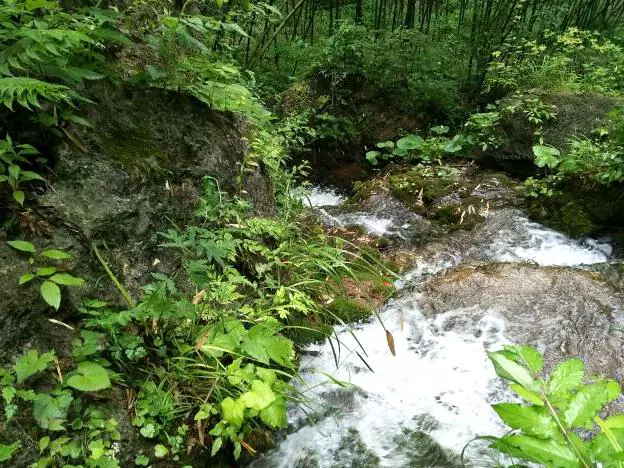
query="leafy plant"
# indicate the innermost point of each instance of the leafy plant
(49, 277)
(545, 426)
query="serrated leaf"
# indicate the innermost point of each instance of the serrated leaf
(532, 420)
(89, 377)
(546, 452)
(530, 357)
(56, 254)
(160, 451)
(567, 376)
(7, 451)
(233, 411)
(274, 415)
(508, 369)
(67, 280)
(50, 411)
(51, 294)
(259, 397)
(31, 363)
(587, 402)
(22, 246)
(528, 395)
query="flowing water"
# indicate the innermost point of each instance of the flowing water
(421, 407)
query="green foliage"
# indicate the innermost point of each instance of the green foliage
(575, 59)
(49, 277)
(479, 133)
(545, 426)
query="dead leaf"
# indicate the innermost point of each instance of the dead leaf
(199, 297)
(390, 340)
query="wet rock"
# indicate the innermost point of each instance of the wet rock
(578, 113)
(136, 173)
(565, 312)
(451, 198)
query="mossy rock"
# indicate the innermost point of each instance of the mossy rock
(465, 215)
(580, 210)
(407, 187)
(578, 113)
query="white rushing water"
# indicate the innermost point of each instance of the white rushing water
(525, 240)
(323, 196)
(421, 407)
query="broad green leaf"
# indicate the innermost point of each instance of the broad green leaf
(97, 449)
(31, 363)
(51, 294)
(25, 278)
(89, 377)
(567, 376)
(509, 369)
(588, 401)
(67, 279)
(259, 397)
(216, 446)
(22, 245)
(56, 254)
(233, 411)
(410, 143)
(19, 196)
(371, 157)
(280, 350)
(532, 420)
(25, 176)
(50, 410)
(529, 357)
(547, 452)
(528, 395)
(440, 130)
(255, 349)
(7, 451)
(274, 415)
(45, 271)
(160, 451)
(141, 460)
(546, 156)
(615, 422)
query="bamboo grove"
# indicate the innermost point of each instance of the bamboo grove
(483, 24)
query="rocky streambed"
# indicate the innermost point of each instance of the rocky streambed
(482, 275)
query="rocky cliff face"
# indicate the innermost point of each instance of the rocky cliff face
(138, 171)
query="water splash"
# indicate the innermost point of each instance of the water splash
(420, 408)
(525, 240)
(324, 196)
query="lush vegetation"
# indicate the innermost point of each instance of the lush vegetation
(206, 356)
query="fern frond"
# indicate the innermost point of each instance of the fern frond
(27, 91)
(28, 47)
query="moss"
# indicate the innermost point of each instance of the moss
(306, 330)
(565, 212)
(407, 186)
(347, 310)
(461, 216)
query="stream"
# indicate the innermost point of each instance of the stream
(509, 280)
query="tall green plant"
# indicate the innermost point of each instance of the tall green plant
(550, 426)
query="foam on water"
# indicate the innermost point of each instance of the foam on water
(525, 240)
(324, 196)
(440, 371)
(372, 224)
(443, 374)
